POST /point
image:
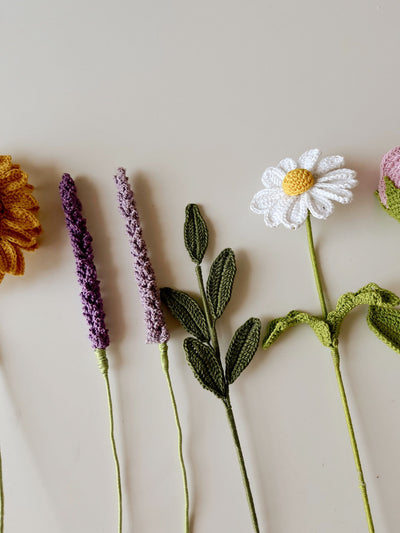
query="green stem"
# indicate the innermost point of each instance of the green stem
(103, 365)
(336, 362)
(245, 477)
(315, 266)
(209, 319)
(363, 486)
(165, 366)
(1, 497)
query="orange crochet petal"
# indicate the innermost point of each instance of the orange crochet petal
(12, 180)
(23, 218)
(20, 269)
(21, 198)
(8, 257)
(13, 233)
(5, 163)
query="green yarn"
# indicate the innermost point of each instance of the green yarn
(1, 497)
(165, 366)
(206, 366)
(393, 199)
(385, 323)
(103, 365)
(242, 348)
(220, 282)
(313, 258)
(195, 233)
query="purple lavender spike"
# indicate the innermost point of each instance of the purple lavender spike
(81, 242)
(157, 331)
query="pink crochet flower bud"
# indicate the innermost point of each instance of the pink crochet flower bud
(390, 167)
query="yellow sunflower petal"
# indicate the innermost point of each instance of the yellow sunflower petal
(14, 234)
(8, 257)
(21, 198)
(23, 218)
(12, 180)
(20, 268)
(5, 163)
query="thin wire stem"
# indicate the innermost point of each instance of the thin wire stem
(343, 397)
(1, 497)
(103, 365)
(243, 470)
(165, 366)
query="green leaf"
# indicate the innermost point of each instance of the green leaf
(393, 199)
(195, 233)
(242, 348)
(187, 311)
(385, 323)
(206, 367)
(220, 282)
(277, 326)
(371, 294)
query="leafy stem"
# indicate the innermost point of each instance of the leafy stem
(209, 319)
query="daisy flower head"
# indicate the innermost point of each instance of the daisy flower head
(295, 188)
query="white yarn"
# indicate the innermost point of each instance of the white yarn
(331, 183)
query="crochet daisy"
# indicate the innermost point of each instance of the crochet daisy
(295, 188)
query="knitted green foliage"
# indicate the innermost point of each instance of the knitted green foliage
(371, 294)
(195, 233)
(187, 311)
(279, 325)
(220, 282)
(393, 199)
(242, 348)
(206, 366)
(385, 323)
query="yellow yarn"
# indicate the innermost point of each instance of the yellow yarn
(297, 181)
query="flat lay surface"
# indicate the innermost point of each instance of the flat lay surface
(195, 101)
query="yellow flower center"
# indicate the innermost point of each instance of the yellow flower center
(297, 181)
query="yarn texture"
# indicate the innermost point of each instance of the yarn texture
(81, 242)
(309, 185)
(157, 331)
(19, 225)
(390, 167)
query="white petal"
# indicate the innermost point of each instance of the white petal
(297, 212)
(333, 192)
(262, 199)
(332, 162)
(309, 159)
(344, 177)
(287, 164)
(277, 212)
(272, 176)
(319, 206)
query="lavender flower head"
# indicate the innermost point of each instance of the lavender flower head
(81, 242)
(157, 331)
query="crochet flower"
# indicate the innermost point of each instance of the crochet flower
(389, 183)
(19, 225)
(310, 184)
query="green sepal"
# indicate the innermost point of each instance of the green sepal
(277, 326)
(393, 199)
(187, 311)
(206, 366)
(371, 294)
(220, 282)
(242, 348)
(195, 233)
(385, 323)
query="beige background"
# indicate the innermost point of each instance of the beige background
(196, 99)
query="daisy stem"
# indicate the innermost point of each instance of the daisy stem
(227, 403)
(339, 379)
(103, 365)
(165, 366)
(315, 267)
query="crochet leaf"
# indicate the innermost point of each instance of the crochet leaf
(279, 325)
(187, 311)
(206, 366)
(195, 233)
(242, 348)
(385, 323)
(371, 294)
(393, 199)
(220, 282)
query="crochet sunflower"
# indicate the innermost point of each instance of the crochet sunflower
(19, 225)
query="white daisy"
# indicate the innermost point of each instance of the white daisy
(292, 189)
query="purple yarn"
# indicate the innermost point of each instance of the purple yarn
(157, 331)
(81, 242)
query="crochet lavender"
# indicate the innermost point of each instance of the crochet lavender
(157, 331)
(81, 242)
